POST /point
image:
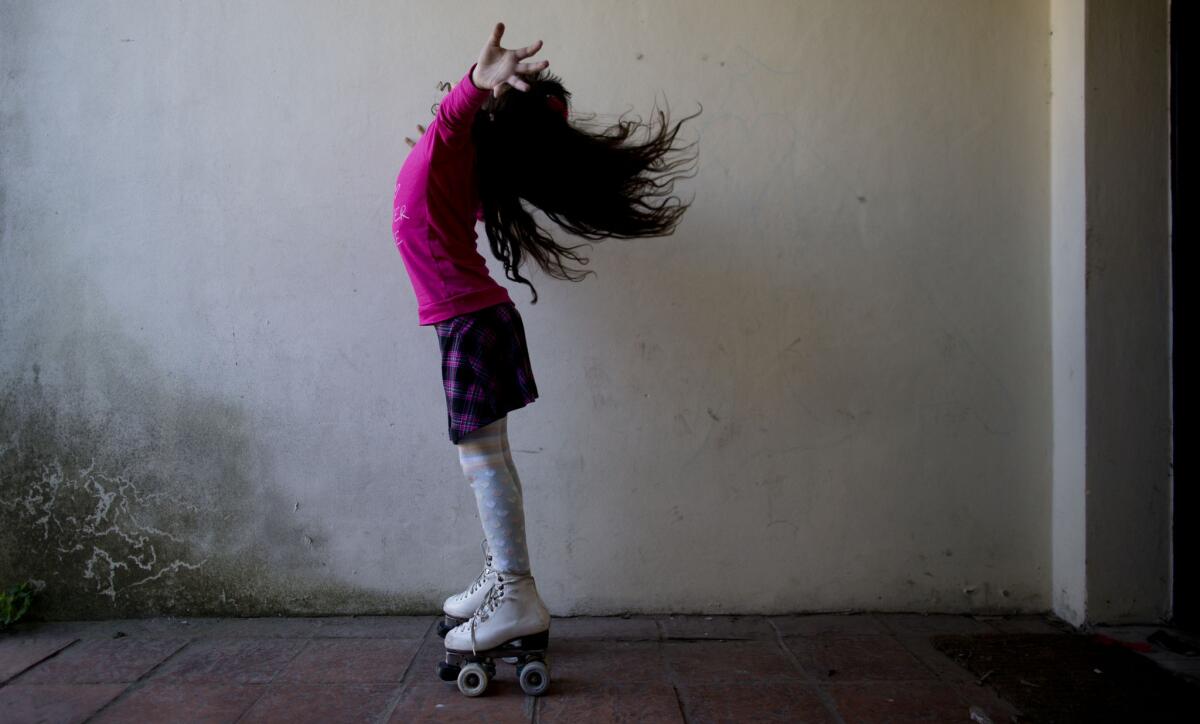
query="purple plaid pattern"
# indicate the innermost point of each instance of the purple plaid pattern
(485, 367)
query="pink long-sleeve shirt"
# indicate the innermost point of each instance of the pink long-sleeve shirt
(435, 210)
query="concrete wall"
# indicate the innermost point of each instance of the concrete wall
(1128, 312)
(830, 389)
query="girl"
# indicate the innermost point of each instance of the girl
(488, 152)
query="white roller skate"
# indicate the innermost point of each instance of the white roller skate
(459, 607)
(512, 625)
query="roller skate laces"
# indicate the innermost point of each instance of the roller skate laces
(483, 576)
(490, 605)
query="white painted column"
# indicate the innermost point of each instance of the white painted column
(1068, 297)
(1110, 311)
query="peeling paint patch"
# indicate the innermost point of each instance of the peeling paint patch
(157, 505)
(90, 521)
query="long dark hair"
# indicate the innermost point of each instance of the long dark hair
(592, 183)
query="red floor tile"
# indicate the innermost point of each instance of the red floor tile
(18, 654)
(941, 665)
(634, 628)
(57, 703)
(102, 661)
(574, 700)
(503, 702)
(223, 661)
(265, 627)
(610, 662)
(916, 623)
(383, 627)
(895, 702)
(168, 702)
(327, 703)
(56, 629)
(985, 697)
(716, 627)
(1029, 624)
(361, 661)
(703, 662)
(829, 624)
(780, 701)
(856, 658)
(168, 627)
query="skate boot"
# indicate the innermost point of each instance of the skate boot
(459, 607)
(512, 625)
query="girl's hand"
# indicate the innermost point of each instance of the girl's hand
(499, 68)
(420, 132)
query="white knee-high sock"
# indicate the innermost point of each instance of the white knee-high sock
(508, 458)
(488, 466)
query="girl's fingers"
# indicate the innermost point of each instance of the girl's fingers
(411, 143)
(525, 68)
(517, 83)
(527, 51)
(497, 32)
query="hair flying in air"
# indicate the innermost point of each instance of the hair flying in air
(593, 182)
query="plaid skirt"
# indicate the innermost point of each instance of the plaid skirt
(485, 367)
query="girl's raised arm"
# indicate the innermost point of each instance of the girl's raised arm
(496, 69)
(452, 127)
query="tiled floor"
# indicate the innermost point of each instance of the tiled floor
(818, 668)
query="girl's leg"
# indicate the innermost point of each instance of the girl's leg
(489, 470)
(508, 458)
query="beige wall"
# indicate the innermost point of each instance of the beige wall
(830, 389)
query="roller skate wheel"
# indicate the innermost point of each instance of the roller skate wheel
(535, 678)
(472, 680)
(447, 671)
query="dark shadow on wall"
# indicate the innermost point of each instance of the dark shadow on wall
(122, 493)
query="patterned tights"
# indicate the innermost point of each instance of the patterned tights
(487, 462)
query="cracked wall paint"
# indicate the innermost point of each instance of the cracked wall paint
(52, 507)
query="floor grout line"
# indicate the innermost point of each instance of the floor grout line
(139, 682)
(266, 688)
(822, 694)
(404, 682)
(39, 662)
(679, 703)
(671, 678)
